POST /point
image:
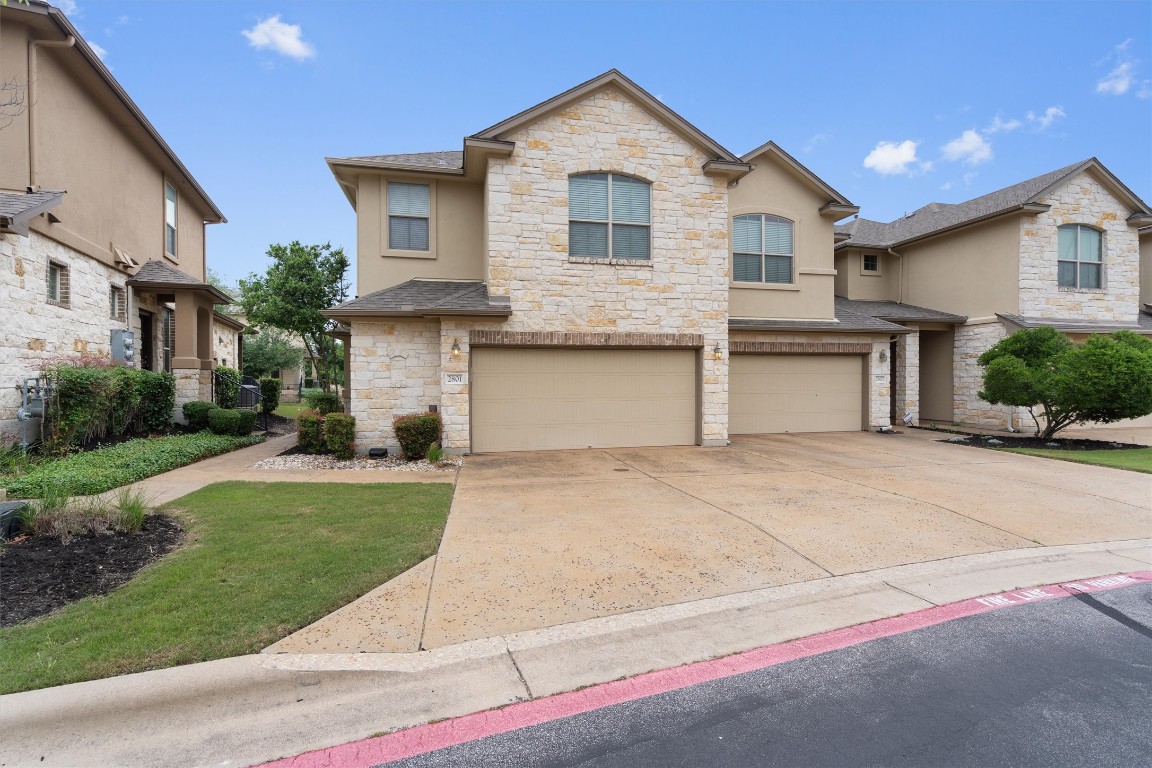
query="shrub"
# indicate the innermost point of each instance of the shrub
(196, 414)
(435, 454)
(131, 508)
(157, 400)
(247, 422)
(227, 386)
(323, 402)
(106, 468)
(340, 435)
(310, 432)
(224, 421)
(416, 433)
(270, 394)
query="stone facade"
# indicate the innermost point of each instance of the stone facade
(35, 331)
(874, 346)
(225, 344)
(682, 289)
(1080, 200)
(906, 386)
(395, 370)
(971, 341)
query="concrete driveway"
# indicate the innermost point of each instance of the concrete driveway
(540, 539)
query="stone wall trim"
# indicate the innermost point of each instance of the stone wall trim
(562, 339)
(800, 347)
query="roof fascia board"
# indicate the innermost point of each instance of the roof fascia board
(801, 169)
(616, 79)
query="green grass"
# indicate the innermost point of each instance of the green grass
(83, 474)
(262, 560)
(1134, 459)
(290, 410)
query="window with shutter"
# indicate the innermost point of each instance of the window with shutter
(762, 249)
(609, 217)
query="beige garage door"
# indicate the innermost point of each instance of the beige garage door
(795, 393)
(542, 399)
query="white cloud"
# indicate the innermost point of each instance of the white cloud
(970, 147)
(1043, 121)
(817, 139)
(69, 7)
(969, 178)
(1118, 81)
(98, 50)
(946, 186)
(1124, 77)
(286, 39)
(890, 158)
(1000, 125)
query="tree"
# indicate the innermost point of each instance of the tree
(216, 281)
(269, 350)
(1105, 379)
(302, 281)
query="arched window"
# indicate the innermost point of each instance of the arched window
(1080, 257)
(609, 216)
(762, 249)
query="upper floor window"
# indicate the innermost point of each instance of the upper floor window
(761, 249)
(1080, 257)
(409, 209)
(170, 220)
(609, 217)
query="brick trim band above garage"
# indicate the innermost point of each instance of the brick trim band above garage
(560, 339)
(800, 347)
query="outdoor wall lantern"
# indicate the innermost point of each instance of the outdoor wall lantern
(717, 352)
(883, 356)
(455, 347)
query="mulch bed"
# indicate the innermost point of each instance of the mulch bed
(277, 425)
(40, 574)
(1053, 444)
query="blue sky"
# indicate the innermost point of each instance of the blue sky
(894, 104)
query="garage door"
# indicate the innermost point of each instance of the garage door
(795, 393)
(542, 399)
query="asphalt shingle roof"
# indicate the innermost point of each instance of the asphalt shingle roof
(17, 207)
(156, 271)
(894, 311)
(846, 321)
(935, 217)
(446, 159)
(1142, 324)
(426, 297)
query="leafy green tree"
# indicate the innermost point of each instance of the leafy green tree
(270, 350)
(1105, 379)
(217, 281)
(302, 281)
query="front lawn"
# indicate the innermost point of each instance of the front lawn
(102, 469)
(290, 410)
(1134, 459)
(261, 561)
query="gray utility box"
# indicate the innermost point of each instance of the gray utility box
(123, 346)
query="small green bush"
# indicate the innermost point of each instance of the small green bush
(323, 402)
(224, 421)
(417, 433)
(270, 394)
(435, 454)
(196, 414)
(106, 468)
(157, 400)
(227, 387)
(340, 435)
(310, 432)
(247, 421)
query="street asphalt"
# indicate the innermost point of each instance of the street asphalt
(1053, 684)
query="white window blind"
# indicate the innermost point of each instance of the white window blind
(609, 216)
(762, 249)
(409, 209)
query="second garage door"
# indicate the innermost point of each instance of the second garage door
(795, 393)
(543, 399)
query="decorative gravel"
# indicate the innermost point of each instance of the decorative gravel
(390, 464)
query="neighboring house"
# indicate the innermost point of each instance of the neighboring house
(101, 225)
(596, 271)
(1069, 250)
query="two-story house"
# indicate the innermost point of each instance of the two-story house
(1062, 250)
(102, 228)
(596, 271)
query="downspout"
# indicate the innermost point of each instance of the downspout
(900, 280)
(33, 176)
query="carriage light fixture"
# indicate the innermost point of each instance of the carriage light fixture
(717, 353)
(456, 348)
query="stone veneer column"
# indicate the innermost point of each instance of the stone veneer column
(880, 386)
(454, 387)
(907, 384)
(971, 341)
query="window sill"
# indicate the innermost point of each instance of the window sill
(61, 304)
(391, 254)
(765, 286)
(644, 263)
(1070, 289)
(171, 258)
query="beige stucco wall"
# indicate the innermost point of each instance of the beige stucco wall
(113, 173)
(1146, 269)
(936, 360)
(1080, 200)
(853, 283)
(972, 272)
(773, 189)
(456, 236)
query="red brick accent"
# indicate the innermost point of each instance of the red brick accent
(561, 339)
(801, 347)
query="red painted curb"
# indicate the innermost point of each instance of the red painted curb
(447, 733)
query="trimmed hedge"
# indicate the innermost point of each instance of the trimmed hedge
(270, 394)
(340, 435)
(196, 414)
(224, 421)
(227, 387)
(106, 468)
(93, 399)
(310, 432)
(417, 433)
(247, 421)
(323, 402)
